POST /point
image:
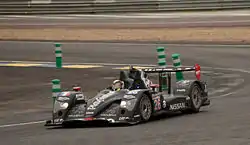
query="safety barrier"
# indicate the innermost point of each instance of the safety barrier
(90, 6)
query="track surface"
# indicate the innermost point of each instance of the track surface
(25, 95)
(212, 19)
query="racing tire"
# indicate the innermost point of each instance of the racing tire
(195, 95)
(145, 108)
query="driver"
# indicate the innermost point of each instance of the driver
(117, 85)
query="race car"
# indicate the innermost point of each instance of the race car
(136, 102)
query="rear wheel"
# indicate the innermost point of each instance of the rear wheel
(145, 108)
(195, 95)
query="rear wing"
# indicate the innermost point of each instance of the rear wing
(195, 68)
(168, 69)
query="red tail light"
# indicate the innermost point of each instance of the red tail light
(89, 118)
(197, 71)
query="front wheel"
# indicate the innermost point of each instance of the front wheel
(145, 108)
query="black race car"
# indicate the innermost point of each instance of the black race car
(136, 102)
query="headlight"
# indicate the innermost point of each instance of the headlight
(128, 104)
(64, 105)
(123, 104)
(60, 106)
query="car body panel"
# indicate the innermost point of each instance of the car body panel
(122, 106)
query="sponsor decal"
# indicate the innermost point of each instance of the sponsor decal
(123, 118)
(62, 98)
(64, 94)
(157, 103)
(129, 97)
(181, 90)
(77, 110)
(164, 104)
(133, 92)
(110, 115)
(91, 107)
(99, 100)
(183, 83)
(80, 97)
(89, 113)
(76, 115)
(111, 111)
(177, 106)
(58, 120)
(111, 120)
(136, 116)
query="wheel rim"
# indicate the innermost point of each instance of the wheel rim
(196, 97)
(145, 108)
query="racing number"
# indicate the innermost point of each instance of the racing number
(157, 103)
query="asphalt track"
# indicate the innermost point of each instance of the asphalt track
(25, 94)
(172, 20)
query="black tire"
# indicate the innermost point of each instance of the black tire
(195, 95)
(145, 108)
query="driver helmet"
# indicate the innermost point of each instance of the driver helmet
(117, 85)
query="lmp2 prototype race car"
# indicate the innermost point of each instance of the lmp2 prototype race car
(136, 102)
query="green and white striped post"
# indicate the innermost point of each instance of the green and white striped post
(58, 53)
(162, 63)
(56, 88)
(177, 63)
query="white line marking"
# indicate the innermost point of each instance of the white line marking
(234, 83)
(137, 15)
(6, 18)
(39, 17)
(22, 124)
(222, 96)
(218, 91)
(40, 1)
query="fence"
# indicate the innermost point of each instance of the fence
(115, 6)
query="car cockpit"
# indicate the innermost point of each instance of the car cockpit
(133, 79)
